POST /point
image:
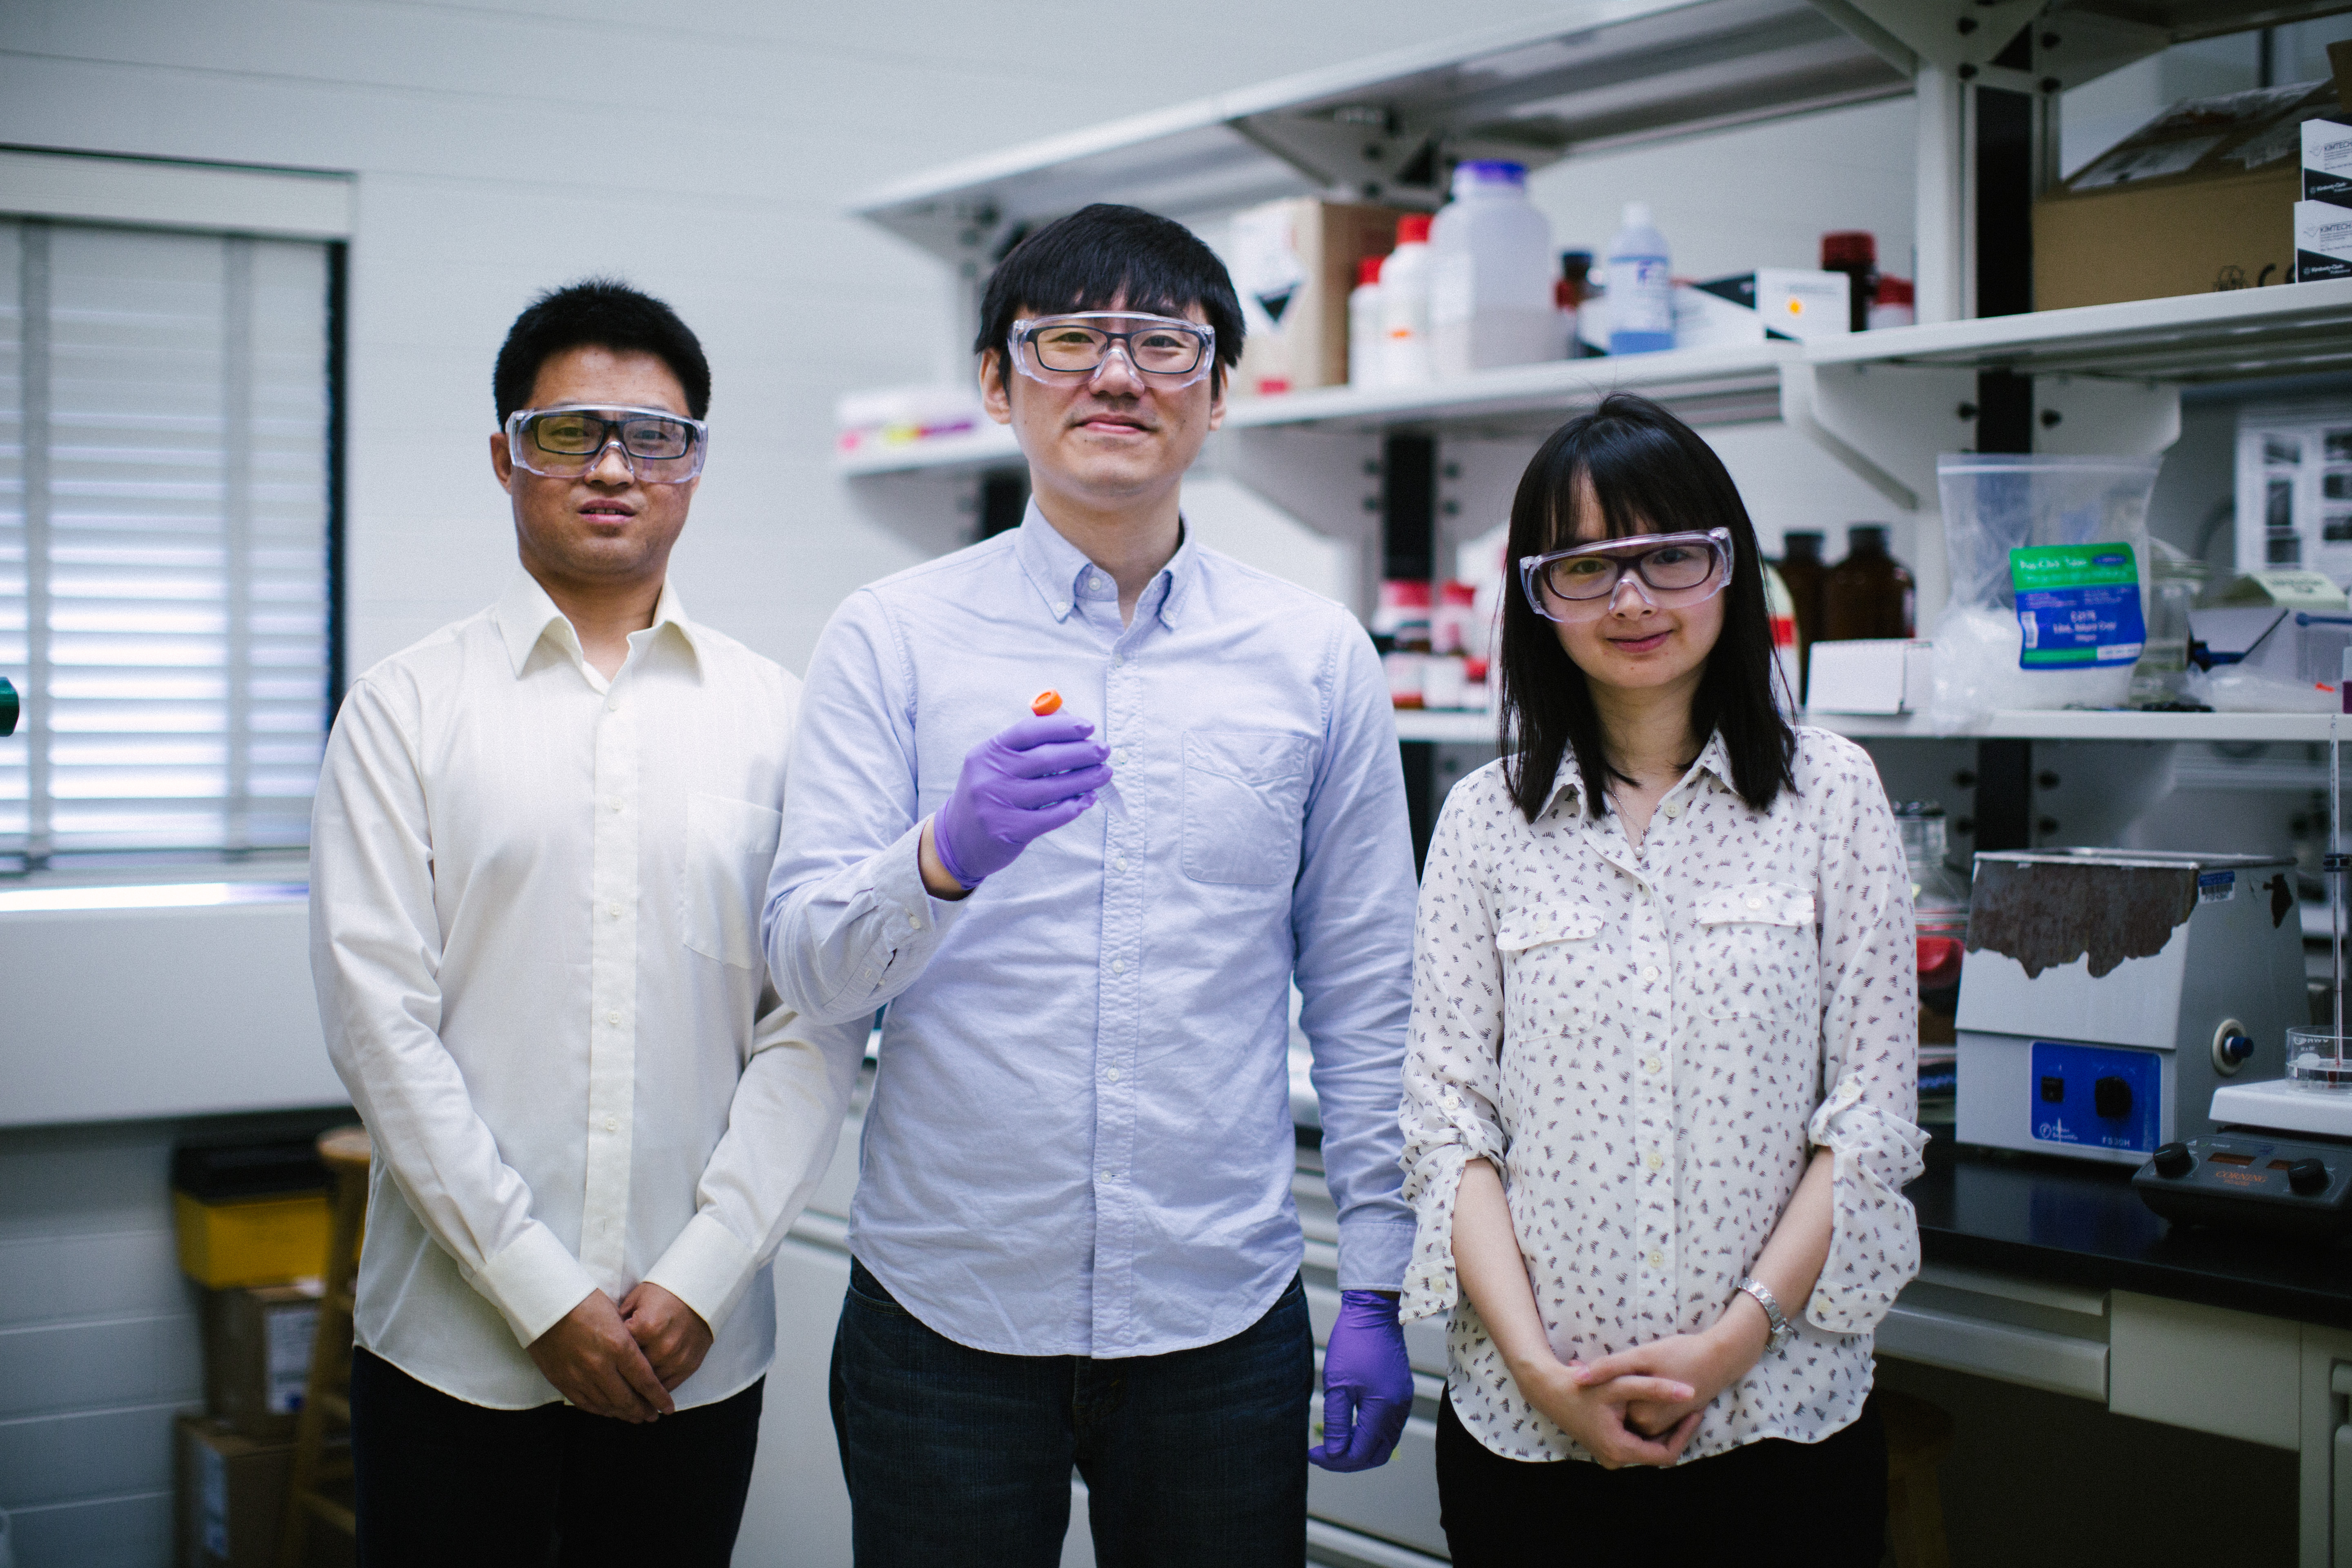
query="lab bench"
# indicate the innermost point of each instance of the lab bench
(2039, 1273)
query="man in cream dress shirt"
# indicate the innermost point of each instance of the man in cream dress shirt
(542, 840)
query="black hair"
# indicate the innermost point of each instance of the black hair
(1651, 474)
(609, 314)
(1105, 254)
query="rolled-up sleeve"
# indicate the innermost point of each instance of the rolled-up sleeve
(1453, 1069)
(1870, 1059)
(1353, 936)
(848, 923)
(376, 958)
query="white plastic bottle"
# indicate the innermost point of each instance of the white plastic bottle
(1641, 286)
(1364, 324)
(1404, 305)
(1490, 274)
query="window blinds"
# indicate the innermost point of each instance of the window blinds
(164, 538)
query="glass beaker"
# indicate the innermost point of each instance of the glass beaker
(2316, 1058)
(2175, 581)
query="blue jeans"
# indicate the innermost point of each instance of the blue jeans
(964, 1456)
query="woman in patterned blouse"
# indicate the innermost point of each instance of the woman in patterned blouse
(1660, 1093)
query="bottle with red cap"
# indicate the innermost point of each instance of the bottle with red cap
(1895, 305)
(1855, 252)
(1404, 305)
(1364, 324)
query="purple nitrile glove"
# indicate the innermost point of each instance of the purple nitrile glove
(1367, 1384)
(1015, 787)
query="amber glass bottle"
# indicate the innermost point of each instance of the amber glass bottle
(1869, 594)
(1802, 568)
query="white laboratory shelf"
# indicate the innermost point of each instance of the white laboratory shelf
(2286, 330)
(989, 446)
(1704, 385)
(1447, 726)
(2070, 724)
(1591, 73)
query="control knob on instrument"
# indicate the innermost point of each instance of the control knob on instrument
(2173, 1160)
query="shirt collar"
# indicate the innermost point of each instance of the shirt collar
(1712, 758)
(525, 614)
(1055, 568)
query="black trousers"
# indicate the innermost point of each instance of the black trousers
(445, 1483)
(1771, 1502)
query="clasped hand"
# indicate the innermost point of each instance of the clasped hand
(623, 1361)
(1642, 1406)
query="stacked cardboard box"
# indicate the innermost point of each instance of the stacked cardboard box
(2201, 198)
(1294, 262)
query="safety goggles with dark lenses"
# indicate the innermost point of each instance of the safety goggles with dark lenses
(1669, 570)
(1178, 353)
(659, 448)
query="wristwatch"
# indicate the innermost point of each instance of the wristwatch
(1784, 1331)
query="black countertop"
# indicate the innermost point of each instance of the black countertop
(2075, 1223)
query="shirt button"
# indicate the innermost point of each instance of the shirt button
(612, 1124)
(613, 1017)
(1674, 808)
(1118, 966)
(1108, 1176)
(1112, 1075)
(1119, 757)
(1657, 1259)
(614, 706)
(1652, 1064)
(1118, 659)
(1654, 1160)
(614, 909)
(1649, 972)
(914, 922)
(614, 802)
(1122, 862)
(1755, 903)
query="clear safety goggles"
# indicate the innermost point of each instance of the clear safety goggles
(659, 447)
(1669, 571)
(1173, 353)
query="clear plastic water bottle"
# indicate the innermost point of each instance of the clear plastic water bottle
(1641, 286)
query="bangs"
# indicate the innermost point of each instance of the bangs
(1641, 481)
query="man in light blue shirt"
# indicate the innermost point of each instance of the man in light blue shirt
(1074, 1232)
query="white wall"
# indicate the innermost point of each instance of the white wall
(704, 151)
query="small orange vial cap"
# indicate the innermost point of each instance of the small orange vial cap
(1046, 701)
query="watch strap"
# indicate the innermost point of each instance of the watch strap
(1784, 1331)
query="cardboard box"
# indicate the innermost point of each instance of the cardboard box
(257, 1357)
(2200, 199)
(231, 1502)
(1294, 263)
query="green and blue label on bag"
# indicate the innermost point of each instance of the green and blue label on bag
(2077, 606)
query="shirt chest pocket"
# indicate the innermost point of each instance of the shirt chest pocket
(1245, 798)
(1551, 975)
(1758, 952)
(722, 881)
